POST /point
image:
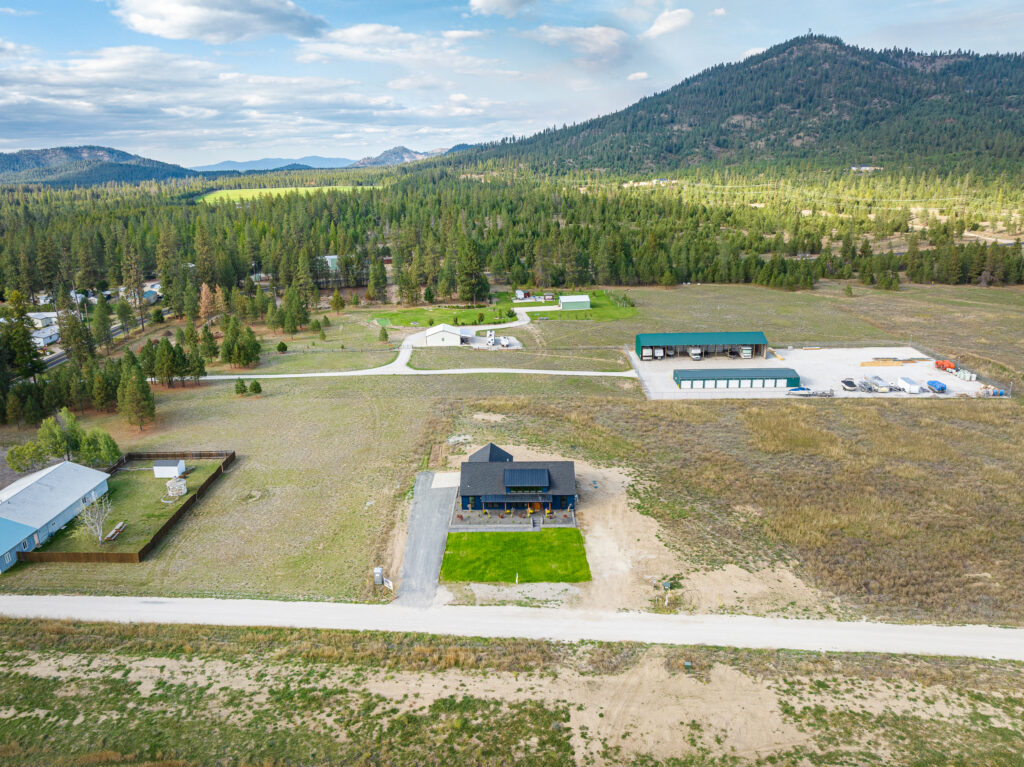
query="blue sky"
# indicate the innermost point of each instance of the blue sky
(198, 81)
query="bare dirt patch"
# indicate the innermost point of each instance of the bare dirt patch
(490, 417)
(732, 589)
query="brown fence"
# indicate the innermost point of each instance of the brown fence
(111, 557)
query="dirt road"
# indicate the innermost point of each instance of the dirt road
(567, 625)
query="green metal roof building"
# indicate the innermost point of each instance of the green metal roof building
(736, 378)
(709, 343)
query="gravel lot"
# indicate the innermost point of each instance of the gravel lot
(818, 369)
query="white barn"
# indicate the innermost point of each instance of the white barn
(36, 506)
(443, 335)
(168, 469)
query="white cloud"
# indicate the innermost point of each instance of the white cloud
(718, 12)
(638, 76)
(390, 44)
(595, 43)
(669, 21)
(7, 48)
(414, 83)
(456, 35)
(507, 8)
(17, 12)
(752, 52)
(218, 21)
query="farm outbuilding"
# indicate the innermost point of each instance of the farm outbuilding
(34, 507)
(574, 303)
(444, 335)
(736, 378)
(745, 345)
(168, 469)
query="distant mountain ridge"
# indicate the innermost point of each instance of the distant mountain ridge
(277, 163)
(83, 166)
(811, 98)
(396, 156)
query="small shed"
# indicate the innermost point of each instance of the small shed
(574, 303)
(443, 335)
(169, 469)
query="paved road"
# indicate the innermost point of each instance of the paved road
(425, 542)
(568, 625)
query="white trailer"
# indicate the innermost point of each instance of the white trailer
(909, 385)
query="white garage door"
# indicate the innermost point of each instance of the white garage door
(734, 383)
(745, 383)
(757, 383)
(698, 384)
(780, 382)
(722, 384)
(686, 384)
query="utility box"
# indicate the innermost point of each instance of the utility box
(378, 576)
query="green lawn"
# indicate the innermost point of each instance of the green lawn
(240, 195)
(602, 308)
(134, 498)
(555, 555)
(425, 316)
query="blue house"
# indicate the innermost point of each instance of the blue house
(36, 506)
(491, 480)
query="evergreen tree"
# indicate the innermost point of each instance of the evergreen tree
(135, 400)
(101, 324)
(337, 302)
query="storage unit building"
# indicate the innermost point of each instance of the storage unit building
(573, 303)
(736, 378)
(745, 345)
(34, 507)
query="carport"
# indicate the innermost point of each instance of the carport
(745, 345)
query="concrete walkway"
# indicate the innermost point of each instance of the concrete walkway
(510, 621)
(400, 365)
(425, 542)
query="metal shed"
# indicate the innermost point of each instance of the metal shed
(736, 378)
(574, 303)
(658, 345)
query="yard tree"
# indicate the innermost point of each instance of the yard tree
(98, 449)
(103, 391)
(382, 336)
(325, 322)
(353, 298)
(21, 357)
(101, 324)
(135, 400)
(163, 364)
(61, 435)
(207, 303)
(220, 300)
(147, 359)
(227, 344)
(191, 299)
(94, 516)
(125, 317)
(191, 337)
(428, 294)
(289, 324)
(274, 318)
(240, 387)
(470, 277)
(196, 366)
(75, 339)
(181, 364)
(282, 347)
(208, 344)
(30, 456)
(337, 301)
(255, 388)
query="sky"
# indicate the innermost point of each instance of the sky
(200, 81)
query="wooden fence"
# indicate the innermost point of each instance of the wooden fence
(127, 557)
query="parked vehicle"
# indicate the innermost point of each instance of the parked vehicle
(695, 353)
(799, 391)
(937, 386)
(878, 384)
(909, 385)
(659, 352)
(646, 353)
(670, 351)
(849, 384)
(747, 352)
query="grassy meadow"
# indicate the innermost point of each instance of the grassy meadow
(553, 555)
(551, 359)
(242, 195)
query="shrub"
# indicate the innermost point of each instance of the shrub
(383, 335)
(282, 347)
(156, 316)
(240, 387)
(255, 388)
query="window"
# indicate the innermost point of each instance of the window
(7, 558)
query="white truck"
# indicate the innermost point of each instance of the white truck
(909, 385)
(695, 353)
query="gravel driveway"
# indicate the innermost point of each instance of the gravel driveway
(424, 545)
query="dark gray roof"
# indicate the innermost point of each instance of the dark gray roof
(489, 478)
(526, 478)
(490, 453)
(167, 462)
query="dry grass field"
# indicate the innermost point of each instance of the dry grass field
(104, 694)
(547, 359)
(323, 472)
(903, 510)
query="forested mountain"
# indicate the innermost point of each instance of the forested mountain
(83, 166)
(812, 98)
(278, 163)
(396, 156)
